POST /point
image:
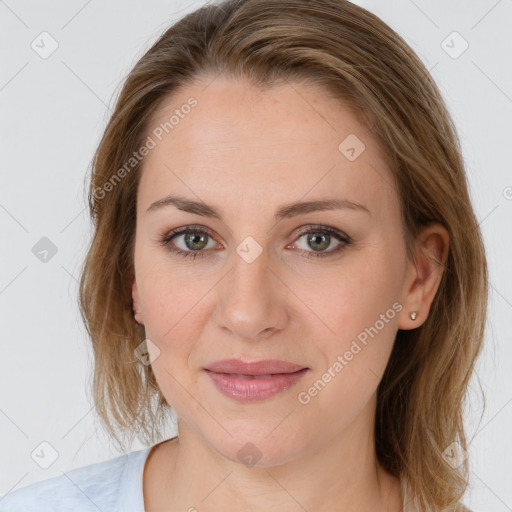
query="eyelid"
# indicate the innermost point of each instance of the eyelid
(323, 227)
(190, 228)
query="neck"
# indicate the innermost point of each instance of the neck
(341, 473)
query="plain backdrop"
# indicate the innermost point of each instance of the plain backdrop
(52, 113)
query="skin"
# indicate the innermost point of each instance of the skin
(248, 152)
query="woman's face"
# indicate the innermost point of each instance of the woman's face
(264, 278)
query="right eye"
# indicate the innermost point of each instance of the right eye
(192, 239)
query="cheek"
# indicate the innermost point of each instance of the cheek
(354, 358)
(175, 312)
(354, 296)
(361, 308)
(171, 322)
(171, 300)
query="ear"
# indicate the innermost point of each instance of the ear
(137, 310)
(424, 275)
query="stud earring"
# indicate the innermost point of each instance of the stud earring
(413, 315)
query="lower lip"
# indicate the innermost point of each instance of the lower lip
(246, 388)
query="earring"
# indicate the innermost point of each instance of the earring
(413, 315)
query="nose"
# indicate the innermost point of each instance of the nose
(252, 298)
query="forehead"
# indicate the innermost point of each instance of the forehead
(222, 137)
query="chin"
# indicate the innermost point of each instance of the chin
(253, 448)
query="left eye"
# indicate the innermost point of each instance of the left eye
(320, 239)
(196, 239)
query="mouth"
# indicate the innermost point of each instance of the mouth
(254, 381)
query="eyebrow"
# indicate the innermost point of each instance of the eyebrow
(284, 212)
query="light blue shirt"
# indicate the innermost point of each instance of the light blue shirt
(114, 485)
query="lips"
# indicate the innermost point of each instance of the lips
(259, 380)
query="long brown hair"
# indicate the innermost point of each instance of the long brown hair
(363, 62)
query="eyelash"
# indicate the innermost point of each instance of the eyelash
(339, 235)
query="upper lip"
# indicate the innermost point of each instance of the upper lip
(264, 367)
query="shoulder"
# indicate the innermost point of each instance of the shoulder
(92, 487)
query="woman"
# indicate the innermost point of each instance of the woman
(285, 254)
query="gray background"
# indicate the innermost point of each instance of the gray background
(52, 113)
